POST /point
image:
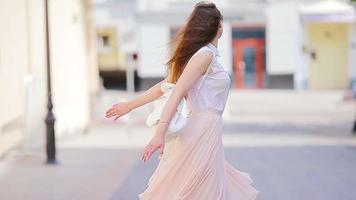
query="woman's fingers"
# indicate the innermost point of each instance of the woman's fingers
(118, 116)
(110, 110)
(117, 110)
(148, 152)
(145, 152)
(109, 113)
(151, 152)
(161, 149)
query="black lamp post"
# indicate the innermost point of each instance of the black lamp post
(50, 119)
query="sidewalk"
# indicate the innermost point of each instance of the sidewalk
(90, 167)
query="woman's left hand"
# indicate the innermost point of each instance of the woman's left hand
(157, 142)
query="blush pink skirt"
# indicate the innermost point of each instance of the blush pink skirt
(193, 166)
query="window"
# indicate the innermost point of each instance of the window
(104, 43)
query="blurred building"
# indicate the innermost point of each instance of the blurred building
(266, 43)
(23, 69)
(329, 43)
(117, 41)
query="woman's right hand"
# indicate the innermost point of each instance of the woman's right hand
(118, 110)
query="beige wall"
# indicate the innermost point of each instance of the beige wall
(13, 66)
(23, 66)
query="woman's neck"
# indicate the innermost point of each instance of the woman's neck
(215, 42)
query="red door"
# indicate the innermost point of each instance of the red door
(249, 62)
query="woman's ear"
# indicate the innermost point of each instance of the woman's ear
(220, 30)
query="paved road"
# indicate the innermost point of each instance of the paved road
(280, 173)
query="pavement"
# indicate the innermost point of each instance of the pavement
(295, 145)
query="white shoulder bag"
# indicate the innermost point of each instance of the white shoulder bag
(180, 119)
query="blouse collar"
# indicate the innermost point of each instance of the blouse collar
(212, 47)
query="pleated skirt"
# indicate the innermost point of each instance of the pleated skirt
(193, 166)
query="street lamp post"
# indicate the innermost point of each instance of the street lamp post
(50, 119)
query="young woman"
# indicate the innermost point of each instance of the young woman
(193, 165)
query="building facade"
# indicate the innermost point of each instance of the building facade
(266, 44)
(300, 44)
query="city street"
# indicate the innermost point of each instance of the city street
(295, 145)
(289, 121)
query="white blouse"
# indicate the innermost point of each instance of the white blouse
(214, 88)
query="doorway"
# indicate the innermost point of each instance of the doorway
(328, 65)
(249, 58)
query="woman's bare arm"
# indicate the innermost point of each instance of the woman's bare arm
(192, 72)
(148, 96)
(196, 66)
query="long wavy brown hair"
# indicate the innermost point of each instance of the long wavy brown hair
(201, 28)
